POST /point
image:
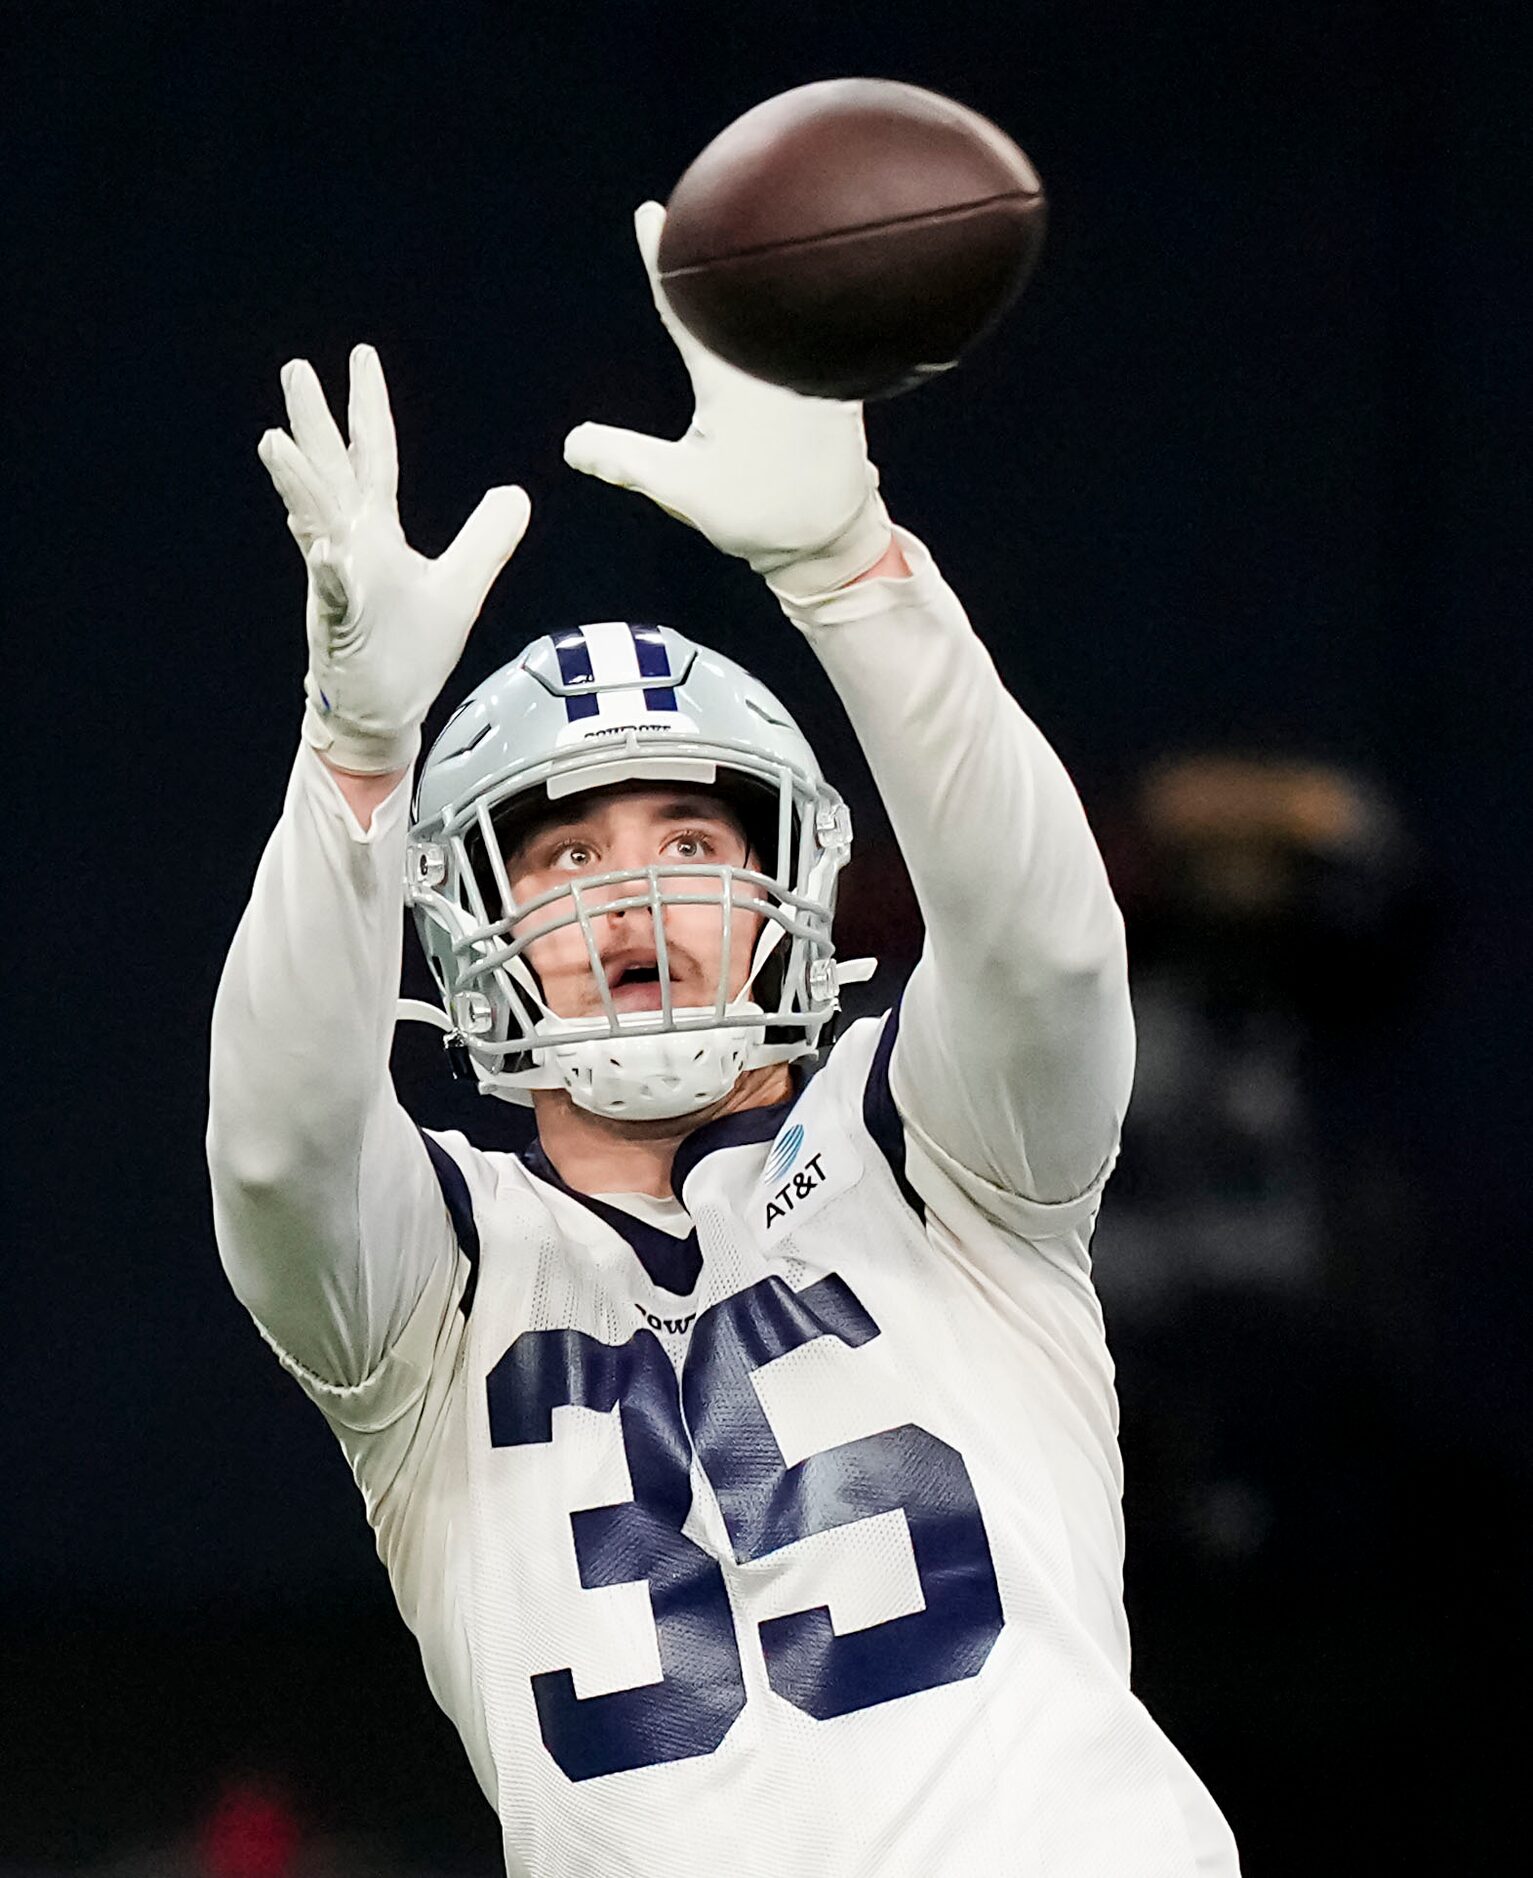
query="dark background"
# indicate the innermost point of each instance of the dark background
(1247, 467)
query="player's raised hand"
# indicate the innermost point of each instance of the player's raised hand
(781, 481)
(386, 626)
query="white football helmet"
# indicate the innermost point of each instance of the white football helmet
(578, 710)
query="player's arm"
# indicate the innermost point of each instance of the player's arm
(1015, 1051)
(328, 1214)
(323, 1200)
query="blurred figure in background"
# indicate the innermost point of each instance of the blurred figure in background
(1270, 901)
(1273, 905)
(1261, 1241)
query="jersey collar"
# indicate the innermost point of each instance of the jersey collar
(731, 1131)
(674, 1264)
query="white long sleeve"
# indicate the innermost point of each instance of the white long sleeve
(328, 1214)
(1014, 1058)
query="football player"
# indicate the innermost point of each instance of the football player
(743, 1456)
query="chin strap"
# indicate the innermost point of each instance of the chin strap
(414, 1011)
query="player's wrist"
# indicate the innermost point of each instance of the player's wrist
(851, 554)
(355, 750)
(892, 564)
(364, 791)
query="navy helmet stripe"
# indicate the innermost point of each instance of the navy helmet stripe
(654, 662)
(574, 664)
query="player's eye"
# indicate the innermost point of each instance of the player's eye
(692, 844)
(573, 855)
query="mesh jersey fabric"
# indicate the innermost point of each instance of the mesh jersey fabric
(636, 1699)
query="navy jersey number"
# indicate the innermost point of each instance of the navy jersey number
(702, 1691)
(766, 1505)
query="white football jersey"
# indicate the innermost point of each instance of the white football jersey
(789, 1546)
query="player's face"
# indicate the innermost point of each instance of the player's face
(634, 826)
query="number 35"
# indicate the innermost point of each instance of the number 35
(766, 1505)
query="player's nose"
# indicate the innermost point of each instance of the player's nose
(629, 854)
(622, 899)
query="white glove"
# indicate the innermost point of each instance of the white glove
(780, 480)
(386, 626)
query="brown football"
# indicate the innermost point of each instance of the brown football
(851, 238)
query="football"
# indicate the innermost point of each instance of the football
(851, 238)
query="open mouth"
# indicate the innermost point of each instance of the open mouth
(635, 986)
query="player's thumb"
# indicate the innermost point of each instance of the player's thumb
(630, 460)
(483, 545)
